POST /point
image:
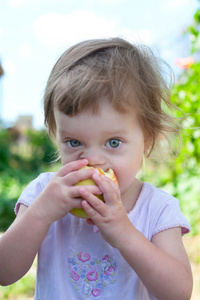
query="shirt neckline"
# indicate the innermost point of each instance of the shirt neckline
(139, 201)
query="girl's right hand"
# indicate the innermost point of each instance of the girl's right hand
(60, 195)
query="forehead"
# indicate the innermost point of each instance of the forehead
(105, 120)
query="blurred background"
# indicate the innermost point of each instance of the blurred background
(33, 34)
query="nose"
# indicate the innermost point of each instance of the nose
(95, 158)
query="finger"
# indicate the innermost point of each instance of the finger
(72, 166)
(91, 212)
(92, 205)
(76, 203)
(93, 189)
(109, 189)
(79, 176)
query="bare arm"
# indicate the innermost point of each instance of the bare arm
(162, 264)
(19, 245)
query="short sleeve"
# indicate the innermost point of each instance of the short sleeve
(170, 216)
(33, 189)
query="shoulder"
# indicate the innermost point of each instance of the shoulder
(160, 210)
(158, 198)
(152, 198)
(44, 177)
(33, 189)
(156, 193)
(39, 183)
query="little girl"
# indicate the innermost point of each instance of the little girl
(104, 107)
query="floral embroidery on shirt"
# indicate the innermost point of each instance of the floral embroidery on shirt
(90, 277)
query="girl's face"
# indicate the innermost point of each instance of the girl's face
(107, 139)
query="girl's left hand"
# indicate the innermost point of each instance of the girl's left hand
(110, 217)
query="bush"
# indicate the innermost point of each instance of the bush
(23, 156)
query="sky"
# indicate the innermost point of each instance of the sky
(34, 33)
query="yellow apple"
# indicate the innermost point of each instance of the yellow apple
(80, 212)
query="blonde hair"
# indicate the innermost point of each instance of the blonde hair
(130, 76)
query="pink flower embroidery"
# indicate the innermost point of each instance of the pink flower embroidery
(92, 275)
(83, 256)
(96, 292)
(106, 257)
(110, 271)
(75, 275)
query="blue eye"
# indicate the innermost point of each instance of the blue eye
(74, 143)
(113, 143)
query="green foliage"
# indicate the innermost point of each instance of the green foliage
(23, 156)
(193, 30)
(186, 170)
(186, 95)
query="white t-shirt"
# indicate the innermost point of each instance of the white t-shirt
(75, 262)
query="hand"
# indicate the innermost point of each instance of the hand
(60, 195)
(110, 217)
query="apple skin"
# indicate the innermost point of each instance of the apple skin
(80, 212)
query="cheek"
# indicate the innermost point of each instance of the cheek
(127, 169)
(125, 176)
(63, 156)
(67, 156)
